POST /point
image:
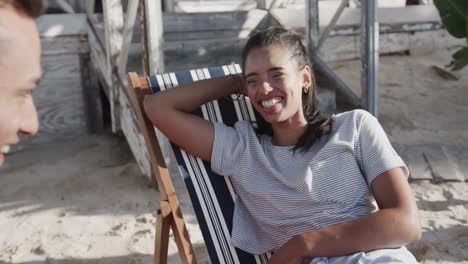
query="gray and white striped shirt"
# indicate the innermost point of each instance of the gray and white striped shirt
(282, 193)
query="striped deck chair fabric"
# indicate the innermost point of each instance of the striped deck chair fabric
(212, 195)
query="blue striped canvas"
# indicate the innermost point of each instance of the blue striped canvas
(212, 195)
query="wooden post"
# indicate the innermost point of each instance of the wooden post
(65, 6)
(154, 53)
(113, 26)
(143, 38)
(130, 17)
(169, 6)
(312, 25)
(268, 4)
(154, 35)
(90, 4)
(80, 6)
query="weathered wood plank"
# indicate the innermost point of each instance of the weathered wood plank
(64, 45)
(269, 4)
(429, 41)
(214, 6)
(202, 53)
(130, 17)
(77, 6)
(417, 164)
(62, 34)
(183, 26)
(442, 167)
(132, 133)
(154, 35)
(212, 34)
(90, 5)
(187, 22)
(98, 58)
(397, 19)
(340, 48)
(54, 25)
(113, 26)
(169, 6)
(459, 154)
(433, 162)
(347, 47)
(311, 19)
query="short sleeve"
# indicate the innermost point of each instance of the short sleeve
(374, 152)
(228, 148)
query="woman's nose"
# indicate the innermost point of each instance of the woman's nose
(266, 87)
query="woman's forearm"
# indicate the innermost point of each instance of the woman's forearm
(394, 225)
(387, 228)
(188, 97)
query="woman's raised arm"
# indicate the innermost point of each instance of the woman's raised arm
(171, 112)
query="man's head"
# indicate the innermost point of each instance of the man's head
(20, 69)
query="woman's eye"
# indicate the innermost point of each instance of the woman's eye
(251, 82)
(276, 76)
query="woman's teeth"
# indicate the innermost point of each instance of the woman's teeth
(5, 149)
(271, 102)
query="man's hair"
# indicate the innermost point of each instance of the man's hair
(31, 8)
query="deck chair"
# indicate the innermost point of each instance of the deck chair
(212, 195)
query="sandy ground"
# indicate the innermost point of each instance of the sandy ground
(84, 200)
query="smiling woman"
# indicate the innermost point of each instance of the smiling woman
(307, 205)
(20, 70)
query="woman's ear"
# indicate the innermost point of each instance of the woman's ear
(307, 78)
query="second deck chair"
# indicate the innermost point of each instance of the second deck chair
(212, 195)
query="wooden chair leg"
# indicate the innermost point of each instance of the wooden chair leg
(163, 224)
(182, 239)
(166, 220)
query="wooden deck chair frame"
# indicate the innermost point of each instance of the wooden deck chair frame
(169, 215)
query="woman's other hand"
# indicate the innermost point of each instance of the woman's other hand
(293, 252)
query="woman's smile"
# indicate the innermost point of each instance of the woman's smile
(272, 104)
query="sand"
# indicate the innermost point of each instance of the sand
(83, 200)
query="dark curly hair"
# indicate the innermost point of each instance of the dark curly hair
(318, 124)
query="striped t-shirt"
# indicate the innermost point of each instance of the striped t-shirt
(282, 193)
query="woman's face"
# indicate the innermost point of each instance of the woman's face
(275, 83)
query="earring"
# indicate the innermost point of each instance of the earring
(305, 89)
